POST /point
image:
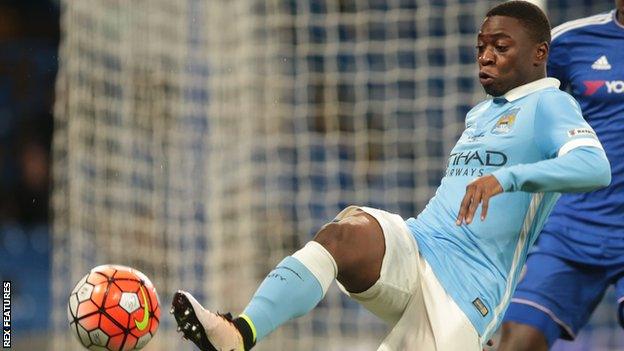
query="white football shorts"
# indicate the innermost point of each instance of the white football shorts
(410, 298)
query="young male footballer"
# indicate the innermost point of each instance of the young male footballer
(447, 275)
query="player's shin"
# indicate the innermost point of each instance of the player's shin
(292, 289)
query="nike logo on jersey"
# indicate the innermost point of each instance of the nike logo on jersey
(601, 64)
(613, 86)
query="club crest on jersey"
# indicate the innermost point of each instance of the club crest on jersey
(505, 122)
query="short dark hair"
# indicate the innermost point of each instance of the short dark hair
(531, 16)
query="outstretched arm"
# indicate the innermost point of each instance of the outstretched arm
(582, 169)
(573, 159)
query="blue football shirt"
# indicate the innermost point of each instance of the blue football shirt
(587, 56)
(478, 264)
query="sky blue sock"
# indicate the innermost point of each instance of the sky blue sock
(289, 291)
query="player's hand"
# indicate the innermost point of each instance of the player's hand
(478, 191)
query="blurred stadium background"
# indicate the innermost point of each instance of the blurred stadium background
(201, 141)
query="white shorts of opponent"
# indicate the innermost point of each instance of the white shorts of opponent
(410, 298)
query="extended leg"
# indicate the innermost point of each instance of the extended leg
(351, 249)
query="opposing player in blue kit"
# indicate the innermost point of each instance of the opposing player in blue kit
(580, 252)
(444, 277)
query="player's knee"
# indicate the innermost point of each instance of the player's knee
(337, 237)
(357, 245)
(521, 337)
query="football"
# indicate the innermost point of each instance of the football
(114, 308)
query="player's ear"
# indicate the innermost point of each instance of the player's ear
(541, 53)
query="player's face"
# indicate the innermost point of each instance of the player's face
(619, 5)
(506, 55)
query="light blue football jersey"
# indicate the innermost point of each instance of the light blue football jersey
(478, 264)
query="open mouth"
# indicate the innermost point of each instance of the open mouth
(486, 78)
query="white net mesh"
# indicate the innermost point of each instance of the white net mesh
(202, 141)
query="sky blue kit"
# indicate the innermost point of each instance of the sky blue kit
(535, 141)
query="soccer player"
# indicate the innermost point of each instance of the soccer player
(580, 252)
(446, 276)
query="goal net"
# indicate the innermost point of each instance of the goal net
(202, 141)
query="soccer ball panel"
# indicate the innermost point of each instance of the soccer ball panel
(130, 343)
(143, 341)
(135, 330)
(83, 336)
(128, 285)
(96, 279)
(114, 295)
(156, 313)
(79, 284)
(109, 327)
(91, 322)
(98, 337)
(85, 308)
(98, 294)
(120, 315)
(70, 317)
(114, 343)
(153, 297)
(142, 277)
(73, 305)
(126, 275)
(74, 328)
(129, 302)
(84, 293)
(107, 269)
(154, 326)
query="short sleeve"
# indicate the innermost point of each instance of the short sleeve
(559, 125)
(558, 61)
